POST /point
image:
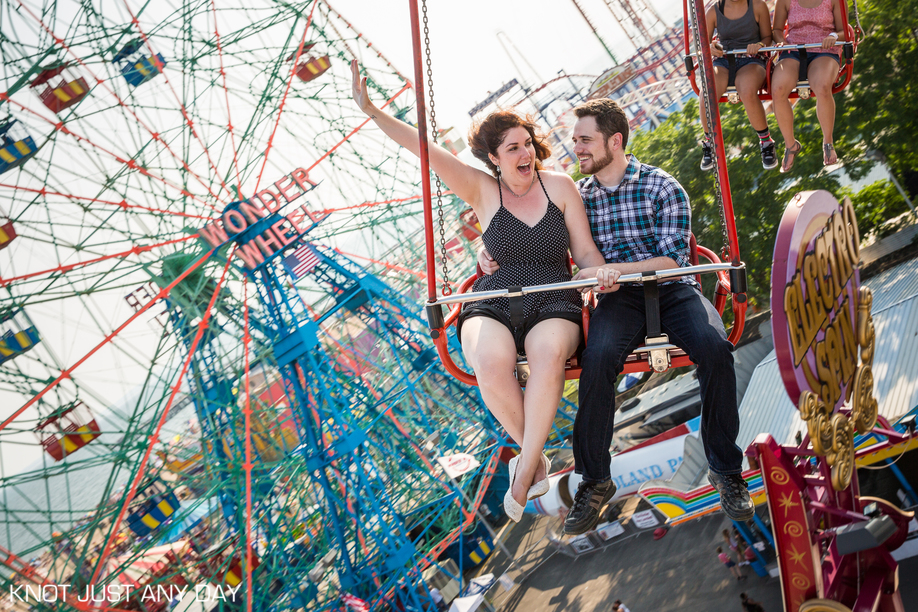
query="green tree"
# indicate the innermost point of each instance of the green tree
(879, 109)
(759, 196)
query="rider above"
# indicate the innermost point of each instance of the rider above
(533, 221)
(741, 24)
(641, 220)
(808, 22)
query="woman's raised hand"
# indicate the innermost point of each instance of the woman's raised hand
(360, 94)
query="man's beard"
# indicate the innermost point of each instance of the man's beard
(599, 164)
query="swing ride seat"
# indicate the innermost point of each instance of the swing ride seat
(802, 90)
(656, 354)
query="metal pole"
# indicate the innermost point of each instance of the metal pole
(424, 153)
(481, 518)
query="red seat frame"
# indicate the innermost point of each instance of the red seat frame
(634, 363)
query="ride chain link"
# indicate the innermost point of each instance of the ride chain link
(446, 289)
(708, 100)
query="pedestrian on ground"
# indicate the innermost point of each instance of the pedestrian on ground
(731, 565)
(438, 599)
(733, 543)
(750, 605)
(618, 606)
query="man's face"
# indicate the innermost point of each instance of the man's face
(592, 149)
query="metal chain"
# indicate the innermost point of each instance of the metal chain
(446, 289)
(706, 100)
(857, 20)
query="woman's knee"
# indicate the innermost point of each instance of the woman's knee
(489, 363)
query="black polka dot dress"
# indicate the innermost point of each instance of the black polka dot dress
(527, 256)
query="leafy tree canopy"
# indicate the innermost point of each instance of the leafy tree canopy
(878, 111)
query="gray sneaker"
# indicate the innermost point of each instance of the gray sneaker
(588, 502)
(769, 157)
(734, 498)
(707, 155)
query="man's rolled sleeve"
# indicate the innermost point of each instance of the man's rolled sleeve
(674, 223)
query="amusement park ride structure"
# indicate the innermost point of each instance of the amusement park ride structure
(134, 169)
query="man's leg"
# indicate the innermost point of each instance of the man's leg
(692, 323)
(616, 328)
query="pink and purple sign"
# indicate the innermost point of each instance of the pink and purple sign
(814, 288)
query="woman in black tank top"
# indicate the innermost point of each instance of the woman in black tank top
(531, 218)
(740, 24)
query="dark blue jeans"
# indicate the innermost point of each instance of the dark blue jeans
(617, 327)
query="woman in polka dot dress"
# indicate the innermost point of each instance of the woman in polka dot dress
(530, 219)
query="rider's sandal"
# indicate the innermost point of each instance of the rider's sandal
(540, 488)
(829, 156)
(789, 156)
(513, 509)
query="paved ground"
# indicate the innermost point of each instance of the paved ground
(678, 572)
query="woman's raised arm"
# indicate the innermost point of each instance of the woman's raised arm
(464, 180)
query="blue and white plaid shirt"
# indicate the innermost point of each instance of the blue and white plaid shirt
(647, 215)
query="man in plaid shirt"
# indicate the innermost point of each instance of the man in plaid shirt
(641, 220)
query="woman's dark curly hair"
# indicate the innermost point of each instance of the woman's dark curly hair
(488, 134)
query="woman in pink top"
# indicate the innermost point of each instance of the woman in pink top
(808, 22)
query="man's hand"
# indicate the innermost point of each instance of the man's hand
(606, 277)
(487, 263)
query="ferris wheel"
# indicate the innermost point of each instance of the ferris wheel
(157, 433)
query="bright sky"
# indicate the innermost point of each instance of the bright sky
(468, 59)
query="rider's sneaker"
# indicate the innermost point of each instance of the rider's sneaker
(769, 157)
(590, 498)
(707, 155)
(734, 497)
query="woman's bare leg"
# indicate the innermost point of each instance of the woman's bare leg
(783, 82)
(822, 73)
(548, 346)
(749, 79)
(721, 78)
(491, 351)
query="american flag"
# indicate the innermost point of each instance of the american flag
(301, 262)
(355, 603)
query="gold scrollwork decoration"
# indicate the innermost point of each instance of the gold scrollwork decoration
(866, 335)
(814, 412)
(823, 605)
(864, 406)
(793, 529)
(799, 581)
(841, 457)
(779, 476)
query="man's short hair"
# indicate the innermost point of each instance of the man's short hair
(610, 118)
